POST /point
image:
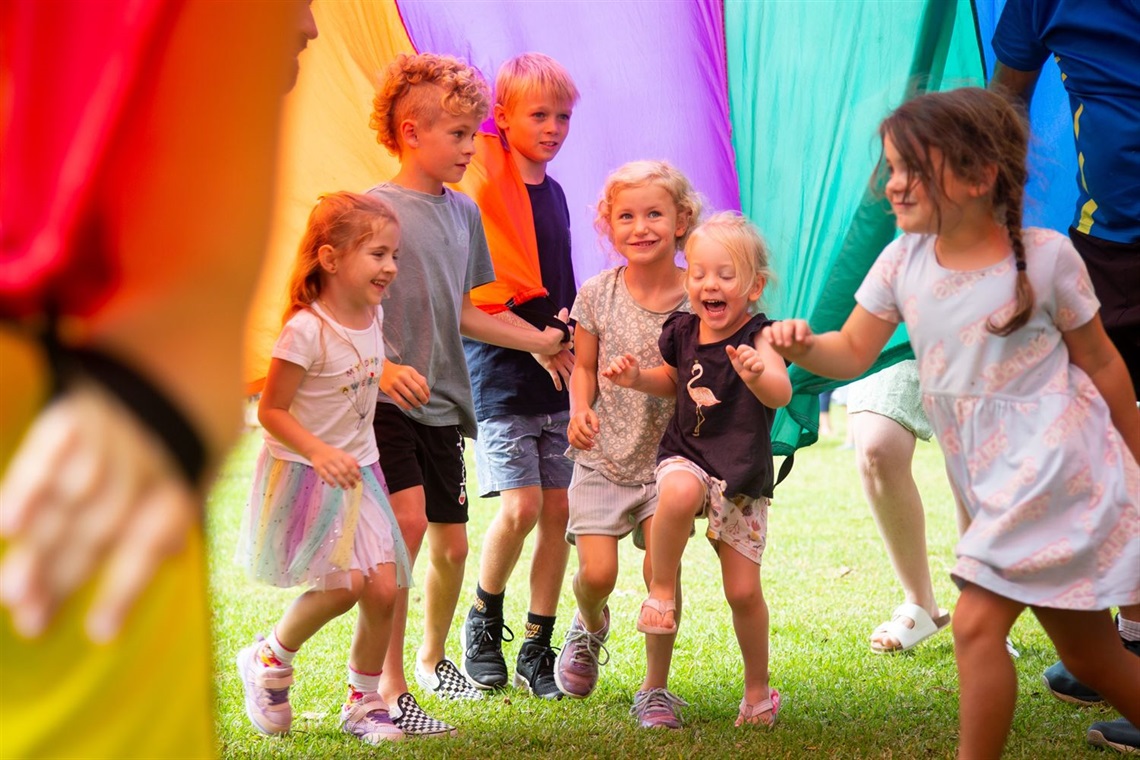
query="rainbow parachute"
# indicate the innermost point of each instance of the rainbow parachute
(768, 107)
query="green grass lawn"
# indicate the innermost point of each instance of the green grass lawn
(827, 581)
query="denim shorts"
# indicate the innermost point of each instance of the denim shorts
(519, 450)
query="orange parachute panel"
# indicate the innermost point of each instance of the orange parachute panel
(494, 183)
(326, 145)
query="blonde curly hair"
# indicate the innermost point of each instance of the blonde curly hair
(659, 173)
(421, 87)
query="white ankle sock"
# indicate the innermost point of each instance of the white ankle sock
(280, 651)
(363, 682)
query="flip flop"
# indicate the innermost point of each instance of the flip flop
(908, 638)
(748, 710)
(661, 607)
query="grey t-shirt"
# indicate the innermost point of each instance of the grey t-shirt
(443, 255)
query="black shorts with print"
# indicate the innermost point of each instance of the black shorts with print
(1114, 269)
(413, 454)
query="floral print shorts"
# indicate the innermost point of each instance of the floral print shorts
(740, 521)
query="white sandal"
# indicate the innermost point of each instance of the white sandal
(908, 637)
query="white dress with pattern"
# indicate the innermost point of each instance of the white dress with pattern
(1029, 443)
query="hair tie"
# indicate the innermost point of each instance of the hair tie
(1021, 265)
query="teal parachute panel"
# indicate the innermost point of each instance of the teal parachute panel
(809, 83)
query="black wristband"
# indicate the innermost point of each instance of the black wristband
(135, 392)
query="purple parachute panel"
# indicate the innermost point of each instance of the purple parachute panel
(652, 79)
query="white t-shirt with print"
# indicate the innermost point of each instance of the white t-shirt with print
(336, 400)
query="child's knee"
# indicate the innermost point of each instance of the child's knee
(451, 555)
(522, 515)
(680, 491)
(597, 578)
(743, 597)
(973, 628)
(412, 527)
(380, 587)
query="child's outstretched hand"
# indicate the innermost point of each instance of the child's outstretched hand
(336, 467)
(90, 493)
(746, 361)
(582, 429)
(623, 371)
(791, 338)
(404, 385)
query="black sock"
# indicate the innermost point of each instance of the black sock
(539, 629)
(490, 605)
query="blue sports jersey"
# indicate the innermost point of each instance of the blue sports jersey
(1096, 44)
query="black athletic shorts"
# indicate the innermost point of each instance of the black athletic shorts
(1115, 272)
(413, 454)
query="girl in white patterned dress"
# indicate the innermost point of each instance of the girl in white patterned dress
(1030, 401)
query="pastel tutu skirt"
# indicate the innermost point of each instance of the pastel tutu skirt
(300, 531)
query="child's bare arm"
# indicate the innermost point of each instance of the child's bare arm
(763, 371)
(1092, 351)
(558, 366)
(478, 325)
(626, 372)
(842, 354)
(336, 467)
(583, 425)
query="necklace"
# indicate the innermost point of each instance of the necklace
(360, 376)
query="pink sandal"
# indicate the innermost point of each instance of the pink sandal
(754, 710)
(662, 607)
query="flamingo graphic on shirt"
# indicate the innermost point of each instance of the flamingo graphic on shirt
(701, 396)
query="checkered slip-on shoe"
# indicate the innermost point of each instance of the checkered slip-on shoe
(447, 682)
(415, 723)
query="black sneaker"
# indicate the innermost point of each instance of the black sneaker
(1065, 687)
(482, 639)
(534, 671)
(1118, 734)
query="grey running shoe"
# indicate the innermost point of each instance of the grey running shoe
(1118, 734)
(657, 708)
(576, 672)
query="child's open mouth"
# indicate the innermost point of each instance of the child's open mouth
(714, 308)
